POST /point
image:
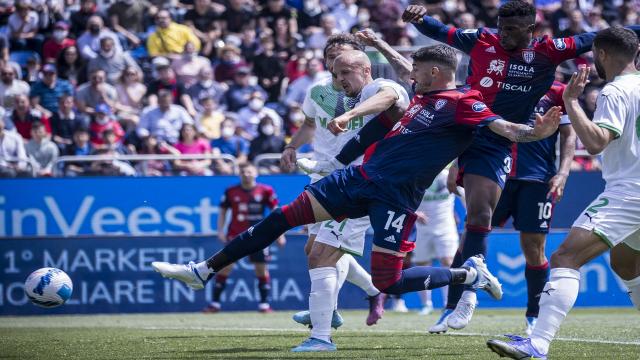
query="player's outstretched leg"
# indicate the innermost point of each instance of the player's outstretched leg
(359, 277)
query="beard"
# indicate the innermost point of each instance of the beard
(600, 70)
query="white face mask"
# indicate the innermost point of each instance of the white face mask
(296, 117)
(102, 120)
(60, 35)
(206, 83)
(268, 129)
(227, 131)
(108, 54)
(363, 18)
(256, 104)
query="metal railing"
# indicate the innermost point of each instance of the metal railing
(260, 159)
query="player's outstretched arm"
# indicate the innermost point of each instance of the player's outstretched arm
(461, 39)
(400, 64)
(545, 126)
(383, 100)
(301, 137)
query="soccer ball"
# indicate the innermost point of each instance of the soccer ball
(48, 287)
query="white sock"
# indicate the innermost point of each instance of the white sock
(342, 266)
(469, 296)
(634, 290)
(425, 298)
(203, 270)
(556, 300)
(321, 305)
(360, 277)
(445, 294)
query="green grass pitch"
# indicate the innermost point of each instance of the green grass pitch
(586, 334)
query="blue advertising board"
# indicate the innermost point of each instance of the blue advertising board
(113, 275)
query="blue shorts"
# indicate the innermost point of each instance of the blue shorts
(527, 203)
(347, 193)
(487, 159)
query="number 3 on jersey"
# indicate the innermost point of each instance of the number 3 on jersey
(397, 223)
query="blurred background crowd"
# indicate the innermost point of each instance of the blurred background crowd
(222, 77)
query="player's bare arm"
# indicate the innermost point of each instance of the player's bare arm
(545, 126)
(301, 137)
(400, 64)
(384, 99)
(414, 13)
(567, 151)
(594, 138)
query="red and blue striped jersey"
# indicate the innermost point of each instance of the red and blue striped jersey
(248, 207)
(436, 128)
(536, 161)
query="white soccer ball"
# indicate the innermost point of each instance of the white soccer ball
(48, 287)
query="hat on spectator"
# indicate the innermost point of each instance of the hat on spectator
(231, 48)
(243, 70)
(49, 68)
(161, 62)
(61, 25)
(233, 40)
(103, 108)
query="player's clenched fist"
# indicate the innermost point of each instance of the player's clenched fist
(288, 159)
(414, 13)
(367, 37)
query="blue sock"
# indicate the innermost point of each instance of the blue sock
(455, 291)
(420, 278)
(475, 242)
(537, 277)
(374, 130)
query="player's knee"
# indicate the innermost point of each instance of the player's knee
(480, 216)
(626, 271)
(564, 257)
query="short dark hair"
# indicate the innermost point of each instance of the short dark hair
(37, 125)
(342, 39)
(619, 41)
(439, 54)
(517, 8)
(246, 164)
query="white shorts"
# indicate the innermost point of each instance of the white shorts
(614, 217)
(430, 245)
(347, 235)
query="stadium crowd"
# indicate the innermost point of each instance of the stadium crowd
(99, 77)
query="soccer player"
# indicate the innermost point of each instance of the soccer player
(438, 126)
(532, 189)
(248, 202)
(612, 221)
(330, 243)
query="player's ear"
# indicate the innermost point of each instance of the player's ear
(435, 70)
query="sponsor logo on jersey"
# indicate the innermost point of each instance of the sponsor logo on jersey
(440, 104)
(544, 225)
(528, 56)
(491, 49)
(559, 44)
(390, 239)
(523, 71)
(470, 31)
(425, 116)
(514, 87)
(478, 106)
(486, 82)
(413, 110)
(496, 67)
(257, 197)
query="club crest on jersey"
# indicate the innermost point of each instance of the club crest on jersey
(559, 44)
(440, 104)
(478, 106)
(257, 197)
(496, 67)
(528, 56)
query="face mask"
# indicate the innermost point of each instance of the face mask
(227, 131)
(94, 29)
(256, 104)
(108, 54)
(102, 120)
(450, 6)
(60, 35)
(206, 83)
(363, 18)
(296, 117)
(189, 56)
(268, 129)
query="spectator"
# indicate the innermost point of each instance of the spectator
(309, 16)
(230, 62)
(589, 104)
(595, 20)
(210, 118)
(131, 93)
(237, 15)
(576, 24)
(102, 121)
(560, 18)
(296, 66)
(31, 72)
(45, 93)
(189, 65)
(297, 90)
(318, 38)
(112, 61)
(285, 39)
(127, 18)
(346, 15)
(164, 120)
(10, 86)
(207, 87)
(203, 22)
(249, 45)
(269, 69)
(267, 142)
(89, 41)
(151, 145)
(111, 167)
(42, 151)
(229, 144)
(80, 147)
(167, 81)
(96, 91)
(190, 143)
(249, 117)
(486, 13)
(240, 91)
(277, 9)
(13, 155)
(23, 26)
(59, 40)
(23, 116)
(66, 121)
(71, 66)
(386, 14)
(80, 18)
(113, 142)
(170, 38)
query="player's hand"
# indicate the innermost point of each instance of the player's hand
(577, 83)
(282, 241)
(288, 159)
(547, 124)
(222, 237)
(367, 37)
(452, 180)
(421, 217)
(414, 13)
(339, 124)
(556, 187)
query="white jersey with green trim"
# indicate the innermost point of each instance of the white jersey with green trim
(618, 110)
(437, 204)
(323, 103)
